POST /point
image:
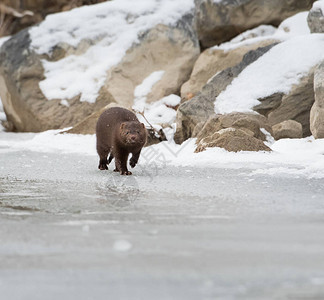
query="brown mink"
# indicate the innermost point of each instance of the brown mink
(119, 133)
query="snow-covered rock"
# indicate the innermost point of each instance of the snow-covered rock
(278, 84)
(202, 106)
(215, 60)
(74, 63)
(295, 105)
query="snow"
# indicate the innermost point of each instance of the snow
(116, 25)
(319, 5)
(277, 70)
(160, 111)
(145, 87)
(142, 90)
(274, 72)
(290, 157)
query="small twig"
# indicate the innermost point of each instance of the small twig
(160, 135)
(142, 114)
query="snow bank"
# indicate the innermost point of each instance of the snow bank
(116, 25)
(290, 157)
(274, 72)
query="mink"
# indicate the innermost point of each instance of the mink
(119, 133)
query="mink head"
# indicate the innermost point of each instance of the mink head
(133, 133)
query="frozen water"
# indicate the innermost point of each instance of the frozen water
(169, 231)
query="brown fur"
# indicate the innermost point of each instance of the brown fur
(119, 133)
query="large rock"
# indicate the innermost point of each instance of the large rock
(315, 19)
(214, 60)
(172, 49)
(287, 129)
(26, 107)
(234, 132)
(233, 140)
(247, 122)
(219, 21)
(317, 111)
(201, 107)
(296, 105)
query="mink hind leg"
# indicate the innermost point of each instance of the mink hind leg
(103, 154)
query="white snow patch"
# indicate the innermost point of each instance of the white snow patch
(160, 111)
(116, 25)
(319, 5)
(65, 103)
(145, 87)
(293, 26)
(142, 90)
(274, 72)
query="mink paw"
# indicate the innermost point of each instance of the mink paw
(125, 173)
(103, 167)
(132, 163)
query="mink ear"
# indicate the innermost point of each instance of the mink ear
(143, 125)
(122, 125)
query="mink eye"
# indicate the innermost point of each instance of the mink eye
(137, 131)
(127, 132)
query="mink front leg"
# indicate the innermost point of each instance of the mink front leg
(133, 161)
(121, 163)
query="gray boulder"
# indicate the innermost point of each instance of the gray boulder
(315, 20)
(26, 107)
(219, 21)
(317, 111)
